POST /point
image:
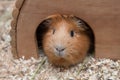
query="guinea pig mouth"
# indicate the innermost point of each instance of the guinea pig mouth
(60, 52)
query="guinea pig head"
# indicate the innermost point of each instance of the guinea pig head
(65, 42)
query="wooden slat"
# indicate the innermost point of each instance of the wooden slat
(102, 15)
(13, 31)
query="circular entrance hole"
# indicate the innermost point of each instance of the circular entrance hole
(42, 29)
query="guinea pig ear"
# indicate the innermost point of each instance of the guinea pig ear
(81, 23)
(46, 22)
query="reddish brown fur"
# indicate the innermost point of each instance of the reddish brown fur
(76, 47)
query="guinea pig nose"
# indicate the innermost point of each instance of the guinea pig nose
(59, 49)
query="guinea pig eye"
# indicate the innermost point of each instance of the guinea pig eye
(72, 33)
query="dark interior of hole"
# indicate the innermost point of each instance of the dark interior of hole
(92, 39)
(42, 29)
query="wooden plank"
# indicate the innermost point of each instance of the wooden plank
(102, 15)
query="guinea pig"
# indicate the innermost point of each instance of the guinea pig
(66, 40)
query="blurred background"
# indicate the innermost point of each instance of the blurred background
(6, 8)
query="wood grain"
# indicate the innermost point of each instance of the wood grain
(102, 15)
(13, 31)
